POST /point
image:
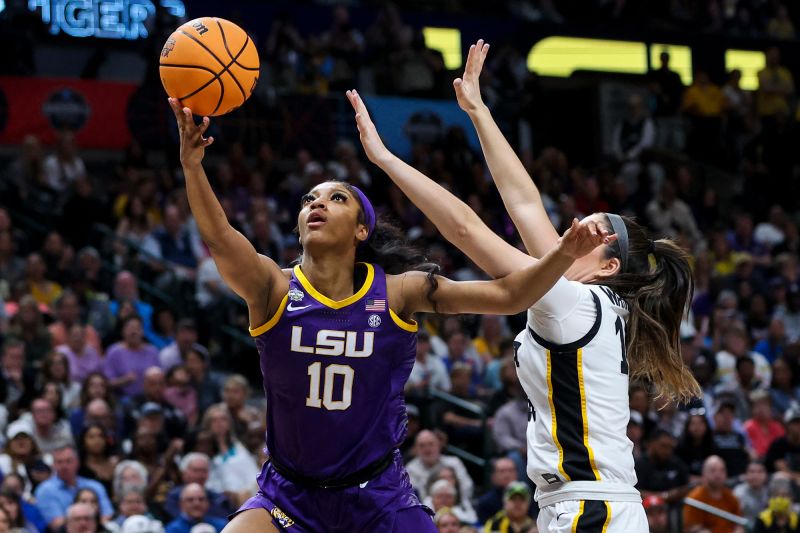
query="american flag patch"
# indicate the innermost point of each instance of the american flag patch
(375, 305)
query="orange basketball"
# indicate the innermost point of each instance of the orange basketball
(209, 64)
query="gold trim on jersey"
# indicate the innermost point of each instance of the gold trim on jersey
(553, 417)
(583, 415)
(269, 324)
(410, 326)
(336, 304)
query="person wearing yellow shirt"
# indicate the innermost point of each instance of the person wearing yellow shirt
(43, 290)
(704, 103)
(775, 87)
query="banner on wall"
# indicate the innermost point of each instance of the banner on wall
(402, 121)
(95, 110)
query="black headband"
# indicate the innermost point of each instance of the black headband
(621, 231)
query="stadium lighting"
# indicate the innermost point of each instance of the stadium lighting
(447, 41)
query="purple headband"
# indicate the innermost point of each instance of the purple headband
(369, 211)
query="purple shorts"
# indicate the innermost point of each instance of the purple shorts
(385, 504)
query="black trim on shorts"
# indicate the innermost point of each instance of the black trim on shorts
(593, 518)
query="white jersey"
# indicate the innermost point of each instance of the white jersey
(572, 365)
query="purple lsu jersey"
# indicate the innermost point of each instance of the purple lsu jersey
(334, 373)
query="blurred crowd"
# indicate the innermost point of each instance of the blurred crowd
(124, 408)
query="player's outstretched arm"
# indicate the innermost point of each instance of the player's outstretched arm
(511, 294)
(252, 276)
(520, 195)
(459, 224)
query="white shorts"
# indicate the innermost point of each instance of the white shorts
(592, 516)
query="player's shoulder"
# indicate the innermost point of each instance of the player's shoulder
(610, 297)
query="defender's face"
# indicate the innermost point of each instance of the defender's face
(329, 217)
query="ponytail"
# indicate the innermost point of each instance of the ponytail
(657, 291)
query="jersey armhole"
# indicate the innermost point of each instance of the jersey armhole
(411, 326)
(580, 343)
(269, 324)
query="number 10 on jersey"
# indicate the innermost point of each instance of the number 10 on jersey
(328, 381)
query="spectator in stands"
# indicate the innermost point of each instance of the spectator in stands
(194, 510)
(659, 471)
(462, 506)
(712, 491)
(20, 451)
(126, 289)
(429, 372)
(83, 358)
(195, 468)
(457, 344)
(14, 484)
(235, 393)
(88, 497)
(696, 443)
(463, 425)
(753, 493)
(130, 502)
(729, 444)
(667, 88)
(28, 326)
(11, 503)
(55, 495)
(185, 337)
(782, 389)
(704, 104)
(206, 382)
(163, 328)
(775, 88)
(160, 463)
(49, 433)
(176, 244)
(780, 26)
(44, 291)
(774, 343)
(783, 454)
(443, 495)
(778, 515)
(94, 387)
(504, 471)
(735, 344)
(762, 429)
(181, 394)
(65, 165)
(657, 517)
(55, 369)
(128, 474)
(738, 391)
(632, 135)
(18, 381)
(81, 518)
(126, 361)
(509, 431)
(514, 516)
(97, 456)
(446, 521)
(153, 391)
(12, 267)
(232, 467)
(670, 216)
(429, 457)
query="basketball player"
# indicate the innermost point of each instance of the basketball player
(337, 342)
(614, 316)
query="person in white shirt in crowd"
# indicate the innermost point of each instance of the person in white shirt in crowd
(632, 135)
(509, 431)
(49, 433)
(443, 495)
(429, 457)
(185, 337)
(65, 165)
(753, 493)
(735, 344)
(429, 372)
(232, 467)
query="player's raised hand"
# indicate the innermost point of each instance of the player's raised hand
(193, 144)
(583, 237)
(370, 140)
(468, 89)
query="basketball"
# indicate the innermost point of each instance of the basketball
(210, 64)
